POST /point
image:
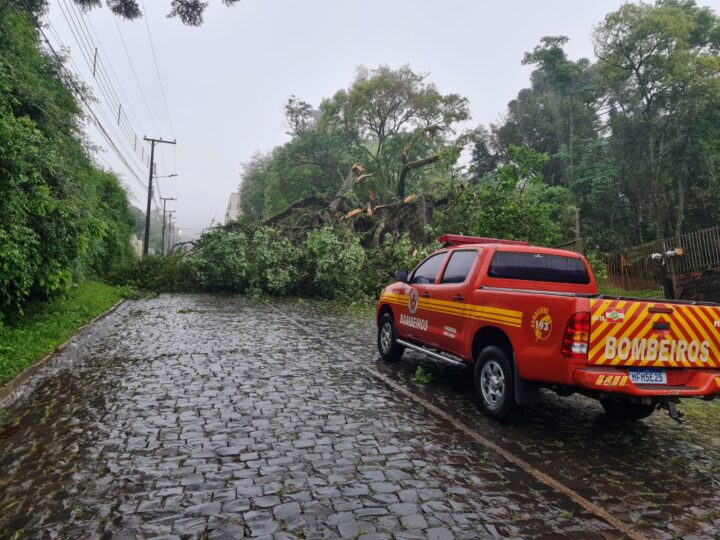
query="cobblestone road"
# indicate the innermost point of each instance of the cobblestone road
(220, 417)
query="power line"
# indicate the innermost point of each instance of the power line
(79, 94)
(137, 80)
(86, 46)
(85, 19)
(157, 70)
(103, 131)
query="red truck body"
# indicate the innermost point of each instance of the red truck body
(541, 307)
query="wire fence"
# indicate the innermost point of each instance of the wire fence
(633, 269)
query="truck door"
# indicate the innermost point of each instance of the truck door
(449, 298)
(419, 321)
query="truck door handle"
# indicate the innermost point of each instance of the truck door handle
(426, 295)
(459, 298)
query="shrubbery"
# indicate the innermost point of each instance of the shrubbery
(328, 263)
(61, 218)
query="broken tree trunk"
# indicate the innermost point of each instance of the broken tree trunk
(312, 200)
(356, 174)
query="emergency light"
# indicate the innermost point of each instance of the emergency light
(458, 239)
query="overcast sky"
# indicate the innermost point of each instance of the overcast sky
(226, 82)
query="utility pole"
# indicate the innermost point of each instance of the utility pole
(172, 231)
(170, 217)
(164, 200)
(153, 142)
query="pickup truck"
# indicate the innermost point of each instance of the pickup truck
(523, 317)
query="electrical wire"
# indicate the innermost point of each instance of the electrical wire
(83, 100)
(157, 71)
(86, 46)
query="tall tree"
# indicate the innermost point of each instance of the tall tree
(660, 68)
(395, 122)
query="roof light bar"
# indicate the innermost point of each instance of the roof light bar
(459, 239)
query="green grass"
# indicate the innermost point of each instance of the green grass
(45, 326)
(610, 290)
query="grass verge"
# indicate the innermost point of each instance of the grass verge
(47, 325)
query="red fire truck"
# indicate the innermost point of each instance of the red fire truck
(525, 317)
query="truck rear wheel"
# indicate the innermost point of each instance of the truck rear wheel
(625, 410)
(494, 383)
(390, 349)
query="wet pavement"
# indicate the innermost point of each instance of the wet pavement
(199, 416)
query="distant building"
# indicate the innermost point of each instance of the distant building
(137, 245)
(233, 211)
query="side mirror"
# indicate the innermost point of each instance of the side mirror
(401, 275)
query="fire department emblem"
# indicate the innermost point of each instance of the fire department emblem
(541, 324)
(413, 302)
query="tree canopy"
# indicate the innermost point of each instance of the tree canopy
(190, 12)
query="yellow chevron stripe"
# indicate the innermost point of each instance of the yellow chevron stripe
(621, 305)
(624, 380)
(694, 315)
(468, 311)
(473, 315)
(601, 344)
(509, 313)
(688, 335)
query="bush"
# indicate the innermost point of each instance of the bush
(329, 263)
(274, 263)
(156, 273)
(220, 261)
(335, 260)
(396, 252)
(61, 218)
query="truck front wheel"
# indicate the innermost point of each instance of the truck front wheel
(390, 349)
(625, 410)
(494, 383)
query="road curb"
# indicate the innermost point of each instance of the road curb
(7, 391)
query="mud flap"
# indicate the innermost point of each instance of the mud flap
(526, 393)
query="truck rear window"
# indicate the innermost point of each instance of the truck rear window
(538, 267)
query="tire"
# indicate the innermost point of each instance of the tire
(625, 410)
(390, 349)
(494, 383)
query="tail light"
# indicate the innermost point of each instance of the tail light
(577, 336)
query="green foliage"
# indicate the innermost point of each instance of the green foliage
(155, 273)
(598, 266)
(512, 203)
(274, 263)
(396, 252)
(220, 260)
(328, 263)
(335, 261)
(61, 217)
(45, 326)
(422, 376)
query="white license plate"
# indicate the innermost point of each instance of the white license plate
(648, 376)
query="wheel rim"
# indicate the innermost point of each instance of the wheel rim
(386, 337)
(492, 383)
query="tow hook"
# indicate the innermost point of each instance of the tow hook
(676, 415)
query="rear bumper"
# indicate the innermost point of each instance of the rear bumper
(681, 382)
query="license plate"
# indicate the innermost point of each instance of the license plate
(648, 376)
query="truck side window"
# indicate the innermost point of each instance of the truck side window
(458, 268)
(428, 270)
(538, 267)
